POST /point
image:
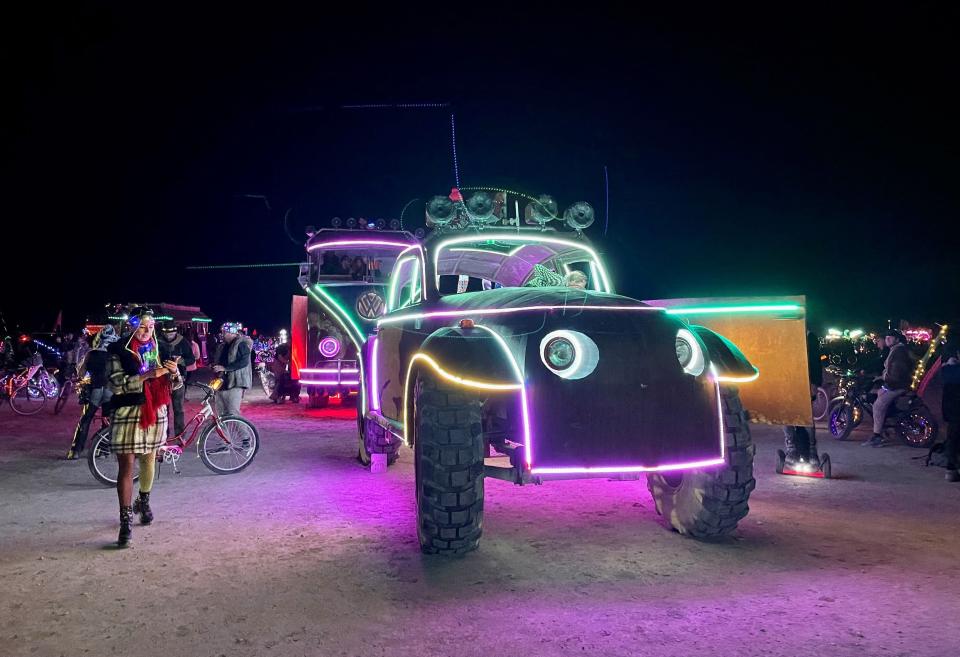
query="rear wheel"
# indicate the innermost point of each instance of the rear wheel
(374, 439)
(102, 462)
(917, 428)
(448, 456)
(821, 404)
(709, 503)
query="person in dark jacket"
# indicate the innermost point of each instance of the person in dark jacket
(174, 346)
(950, 373)
(897, 373)
(232, 359)
(98, 392)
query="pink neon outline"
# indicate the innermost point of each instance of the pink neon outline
(326, 353)
(503, 311)
(630, 468)
(330, 371)
(375, 376)
(329, 383)
(314, 247)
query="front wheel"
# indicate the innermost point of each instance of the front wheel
(28, 399)
(228, 444)
(448, 459)
(63, 398)
(708, 503)
(374, 439)
(842, 419)
(102, 462)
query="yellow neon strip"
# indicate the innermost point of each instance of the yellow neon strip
(738, 379)
(467, 383)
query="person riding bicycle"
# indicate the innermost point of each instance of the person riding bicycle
(97, 393)
(141, 388)
(897, 372)
(174, 346)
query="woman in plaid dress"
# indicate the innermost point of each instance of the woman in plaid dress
(141, 391)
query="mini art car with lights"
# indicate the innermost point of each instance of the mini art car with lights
(497, 347)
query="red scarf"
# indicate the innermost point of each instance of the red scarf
(156, 394)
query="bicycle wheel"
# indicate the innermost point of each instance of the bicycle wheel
(103, 464)
(64, 397)
(229, 445)
(28, 400)
(821, 404)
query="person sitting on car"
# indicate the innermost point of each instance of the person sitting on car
(576, 279)
(897, 372)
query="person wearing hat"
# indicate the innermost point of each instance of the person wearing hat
(232, 359)
(897, 373)
(97, 392)
(141, 388)
(174, 346)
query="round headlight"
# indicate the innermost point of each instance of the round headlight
(560, 353)
(569, 354)
(690, 353)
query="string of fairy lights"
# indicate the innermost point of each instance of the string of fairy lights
(922, 363)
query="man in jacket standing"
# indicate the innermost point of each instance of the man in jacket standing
(897, 372)
(232, 359)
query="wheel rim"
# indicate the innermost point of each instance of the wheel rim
(916, 429)
(838, 421)
(821, 404)
(230, 445)
(28, 400)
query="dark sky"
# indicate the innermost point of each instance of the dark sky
(811, 153)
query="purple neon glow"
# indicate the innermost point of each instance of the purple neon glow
(329, 347)
(321, 245)
(630, 468)
(329, 383)
(374, 376)
(331, 371)
(504, 311)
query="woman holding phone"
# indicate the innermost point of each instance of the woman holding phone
(141, 388)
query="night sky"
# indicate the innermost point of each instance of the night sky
(748, 155)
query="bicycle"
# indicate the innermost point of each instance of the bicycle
(69, 384)
(25, 395)
(226, 445)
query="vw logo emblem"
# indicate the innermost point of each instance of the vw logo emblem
(370, 305)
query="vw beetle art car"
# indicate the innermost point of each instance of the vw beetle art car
(487, 364)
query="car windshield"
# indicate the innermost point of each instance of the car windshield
(472, 263)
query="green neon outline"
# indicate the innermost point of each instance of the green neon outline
(715, 310)
(549, 240)
(339, 313)
(393, 291)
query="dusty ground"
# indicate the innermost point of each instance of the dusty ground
(307, 553)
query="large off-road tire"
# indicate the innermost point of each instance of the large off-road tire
(374, 439)
(709, 503)
(448, 455)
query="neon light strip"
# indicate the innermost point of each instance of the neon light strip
(524, 410)
(514, 238)
(329, 383)
(738, 379)
(630, 468)
(714, 310)
(200, 319)
(344, 313)
(375, 376)
(399, 245)
(472, 250)
(394, 280)
(330, 371)
(504, 311)
(467, 383)
(337, 316)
